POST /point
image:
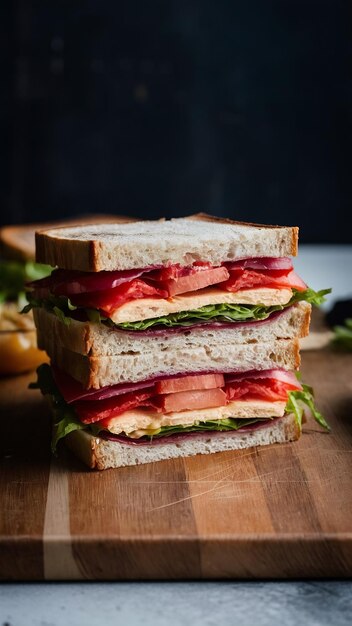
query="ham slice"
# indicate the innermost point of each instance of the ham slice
(261, 263)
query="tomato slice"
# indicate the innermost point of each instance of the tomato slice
(193, 400)
(268, 389)
(111, 299)
(277, 279)
(190, 383)
(195, 281)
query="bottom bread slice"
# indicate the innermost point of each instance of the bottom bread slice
(99, 453)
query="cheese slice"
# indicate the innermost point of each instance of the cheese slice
(144, 419)
(146, 308)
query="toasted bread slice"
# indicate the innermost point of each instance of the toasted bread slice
(100, 371)
(99, 247)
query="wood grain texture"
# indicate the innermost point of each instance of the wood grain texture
(281, 511)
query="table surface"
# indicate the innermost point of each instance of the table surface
(206, 603)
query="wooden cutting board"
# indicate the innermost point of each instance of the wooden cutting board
(281, 511)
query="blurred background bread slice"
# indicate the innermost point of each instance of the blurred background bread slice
(18, 242)
(18, 341)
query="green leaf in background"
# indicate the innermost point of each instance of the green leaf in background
(14, 275)
(36, 271)
(343, 335)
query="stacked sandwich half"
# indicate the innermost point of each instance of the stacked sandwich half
(171, 338)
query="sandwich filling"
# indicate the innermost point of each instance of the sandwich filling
(174, 295)
(163, 406)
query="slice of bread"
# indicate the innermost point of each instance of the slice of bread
(18, 242)
(103, 454)
(100, 340)
(94, 248)
(100, 371)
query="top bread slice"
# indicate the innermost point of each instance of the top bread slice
(98, 247)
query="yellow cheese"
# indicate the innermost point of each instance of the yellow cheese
(144, 419)
(147, 308)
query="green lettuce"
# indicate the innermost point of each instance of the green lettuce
(15, 274)
(298, 403)
(229, 423)
(65, 420)
(62, 306)
(343, 335)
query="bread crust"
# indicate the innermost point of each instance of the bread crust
(43, 249)
(225, 220)
(101, 454)
(93, 255)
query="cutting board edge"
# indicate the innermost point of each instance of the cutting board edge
(183, 558)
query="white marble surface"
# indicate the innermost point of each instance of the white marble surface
(177, 604)
(312, 603)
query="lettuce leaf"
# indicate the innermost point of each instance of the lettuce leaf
(299, 401)
(61, 306)
(229, 423)
(65, 420)
(317, 298)
(343, 335)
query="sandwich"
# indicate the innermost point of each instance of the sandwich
(171, 338)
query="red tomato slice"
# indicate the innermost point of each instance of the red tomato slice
(268, 389)
(188, 383)
(195, 281)
(111, 299)
(192, 400)
(277, 279)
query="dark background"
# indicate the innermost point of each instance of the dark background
(166, 107)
